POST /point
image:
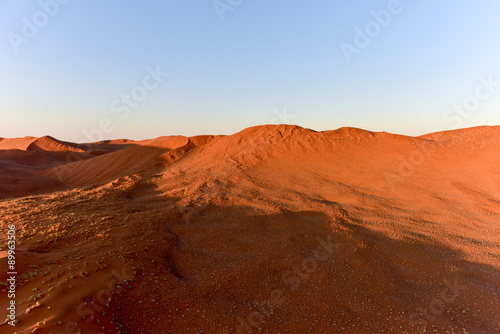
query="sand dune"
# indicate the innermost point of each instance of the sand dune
(49, 144)
(275, 229)
(146, 155)
(16, 143)
(26, 161)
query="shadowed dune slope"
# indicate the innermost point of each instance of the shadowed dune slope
(144, 156)
(49, 144)
(21, 159)
(275, 229)
(16, 143)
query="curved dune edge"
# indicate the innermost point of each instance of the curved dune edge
(272, 229)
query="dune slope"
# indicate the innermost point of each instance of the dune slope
(275, 229)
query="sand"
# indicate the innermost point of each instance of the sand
(275, 229)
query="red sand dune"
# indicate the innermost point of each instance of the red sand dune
(22, 159)
(16, 143)
(275, 229)
(146, 155)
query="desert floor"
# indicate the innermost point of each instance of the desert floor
(275, 229)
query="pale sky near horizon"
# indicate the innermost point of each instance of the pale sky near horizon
(82, 70)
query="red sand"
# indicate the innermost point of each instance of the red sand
(276, 229)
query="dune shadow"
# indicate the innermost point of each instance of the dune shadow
(329, 273)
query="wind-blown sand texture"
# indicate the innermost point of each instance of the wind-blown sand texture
(275, 229)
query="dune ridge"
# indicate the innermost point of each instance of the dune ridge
(273, 229)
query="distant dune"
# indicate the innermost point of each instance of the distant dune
(275, 229)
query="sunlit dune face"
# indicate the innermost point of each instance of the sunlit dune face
(275, 229)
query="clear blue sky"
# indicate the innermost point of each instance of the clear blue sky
(263, 58)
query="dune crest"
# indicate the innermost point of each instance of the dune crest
(273, 229)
